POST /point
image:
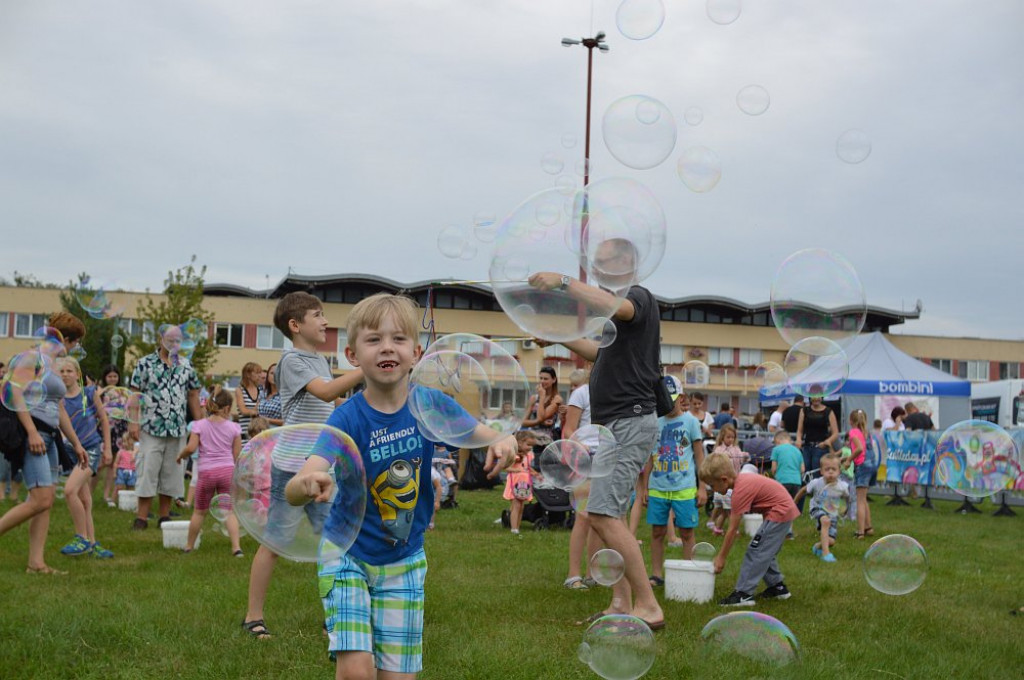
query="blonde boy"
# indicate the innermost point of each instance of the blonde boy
(373, 595)
(752, 493)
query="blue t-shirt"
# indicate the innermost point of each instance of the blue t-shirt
(789, 459)
(672, 464)
(81, 412)
(400, 498)
(723, 419)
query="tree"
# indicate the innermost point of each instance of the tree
(99, 333)
(26, 281)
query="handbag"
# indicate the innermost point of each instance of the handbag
(663, 403)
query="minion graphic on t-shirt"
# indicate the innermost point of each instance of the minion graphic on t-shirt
(394, 493)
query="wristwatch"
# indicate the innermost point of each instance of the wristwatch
(564, 285)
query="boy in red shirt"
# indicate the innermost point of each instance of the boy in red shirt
(752, 493)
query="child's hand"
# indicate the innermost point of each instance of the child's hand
(719, 564)
(642, 496)
(702, 496)
(315, 486)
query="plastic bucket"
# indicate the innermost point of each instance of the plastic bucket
(176, 535)
(689, 581)
(127, 501)
(751, 523)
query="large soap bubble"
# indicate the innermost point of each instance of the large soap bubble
(817, 292)
(273, 457)
(601, 443)
(22, 388)
(699, 168)
(895, 565)
(695, 374)
(95, 297)
(752, 635)
(977, 458)
(639, 131)
(816, 367)
(607, 567)
(640, 19)
(565, 464)
(618, 647)
(771, 378)
(532, 239)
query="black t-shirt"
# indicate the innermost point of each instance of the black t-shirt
(791, 417)
(622, 380)
(918, 421)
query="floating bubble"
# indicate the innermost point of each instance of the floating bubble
(451, 241)
(817, 292)
(116, 341)
(78, 353)
(693, 115)
(724, 12)
(120, 403)
(528, 244)
(753, 100)
(639, 131)
(469, 251)
(752, 635)
(816, 367)
(699, 168)
(602, 331)
(195, 330)
(895, 565)
(977, 458)
(601, 444)
(49, 342)
(220, 507)
(95, 297)
(568, 141)
(771, 378)
(832, 500)
(296, 532)
(695, 374)
(22, 388)
(565, 464)
(551, 163)
(485, 227)
(640, 19)
(618, 647)
(607, 567)
(456, 386)
(704, 552)
(853, 146)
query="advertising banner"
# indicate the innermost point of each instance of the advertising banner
(909, 456)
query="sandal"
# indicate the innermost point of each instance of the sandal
(869, 532)
(656, 581)
(48, 571)
(575, 583)
(257, 629)
(859, 536)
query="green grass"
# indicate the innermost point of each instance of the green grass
(496, 608)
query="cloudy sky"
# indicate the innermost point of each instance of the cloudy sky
(339, 137)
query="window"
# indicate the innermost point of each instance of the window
(4, 321)
(229, 334)
(720, 356)
(502, 392)
(135, 328)
(25, 325)
(977, 370)
(557, 352)
(340, 360)
(1007, 371)
(510, 346)
(750, 357)
(943, 365)
(268, 337)
(672, 354)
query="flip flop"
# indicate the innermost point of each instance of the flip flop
(48, 571)
(655, 625)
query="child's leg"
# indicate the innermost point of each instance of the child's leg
(515, 515)
(259, 582)
(760, 559)
(109, 493)
(232, 525)
(76, 500)
(670, 527)
(658, 533)
(194, 525)
(577, 542)
(687, 516)
(594, 544)
(824, 541)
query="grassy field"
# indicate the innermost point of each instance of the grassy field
(496, 607)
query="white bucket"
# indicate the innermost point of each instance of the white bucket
(689, 581)
(176, 535)
(128, 501)
(751, 523)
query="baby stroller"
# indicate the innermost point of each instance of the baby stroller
(442, 461)
(551, 507)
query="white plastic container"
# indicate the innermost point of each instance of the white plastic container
(176, 535)
(751, 523)
(689, 581)
(127, 501)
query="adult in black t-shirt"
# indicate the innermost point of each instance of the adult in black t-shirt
(916, 420)
(791, 415)
(622, 399)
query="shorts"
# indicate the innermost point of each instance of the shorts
(376, 609)
(686, 516)
(818, 513)
(125, 477)
(157, 468)
(723, 501)
(283, 518)
(864, 476)
(215, 481)
(95, 455)
(636, 437)
(43, 469)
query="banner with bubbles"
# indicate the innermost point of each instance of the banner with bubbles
(910, 456)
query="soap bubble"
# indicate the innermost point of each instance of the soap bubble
(693, 115)
(22, 388)
(895, 565)
(607, 567)
(601, 444)
(816, 367)
(639, 131)
(220, 507)
(274, 456)
(699, 169)
(551, 163)
(832, 500)
(195, 330)
(752, 635)
(853, 146)
(977, 458)
(704, 552)
(95, 297)
(771, 378)
(753, 100)
(817, 292)
(602, 331)
(568, 141)
(640, 19)
(49, 342)
(464, 380)
(724, 12)
(451, 241)
(618, 647)
(485, 226)
(565, 464)
(695, 374)
(78, 353)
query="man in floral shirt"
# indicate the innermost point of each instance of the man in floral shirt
(167, 384)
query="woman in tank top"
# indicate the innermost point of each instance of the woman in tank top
(247, 396)
(816, 431)
(542, 409)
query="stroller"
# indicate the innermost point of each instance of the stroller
(551, 507)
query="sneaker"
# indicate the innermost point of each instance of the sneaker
(675, 544)
(140, 524)
(779, 591)
(710, 525)
(111, 504)
(829, 558)
(737, 599)
(497, 521)
(717, 532)
(589, 582)
(77, 546)
(816, 550)
(101, 553)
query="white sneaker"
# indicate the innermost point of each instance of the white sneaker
(497, 521)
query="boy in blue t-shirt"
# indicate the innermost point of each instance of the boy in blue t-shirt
(787, 463)
(373, 595)
(668, 482)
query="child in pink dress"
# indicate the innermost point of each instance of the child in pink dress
(519, 483)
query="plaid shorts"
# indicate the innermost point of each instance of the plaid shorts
(376, 609)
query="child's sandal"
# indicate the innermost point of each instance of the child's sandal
(858, 535)
(257, 629)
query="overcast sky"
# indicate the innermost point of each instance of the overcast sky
(339, 137)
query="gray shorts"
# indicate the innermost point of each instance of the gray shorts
(157, 468)
(635, 440)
